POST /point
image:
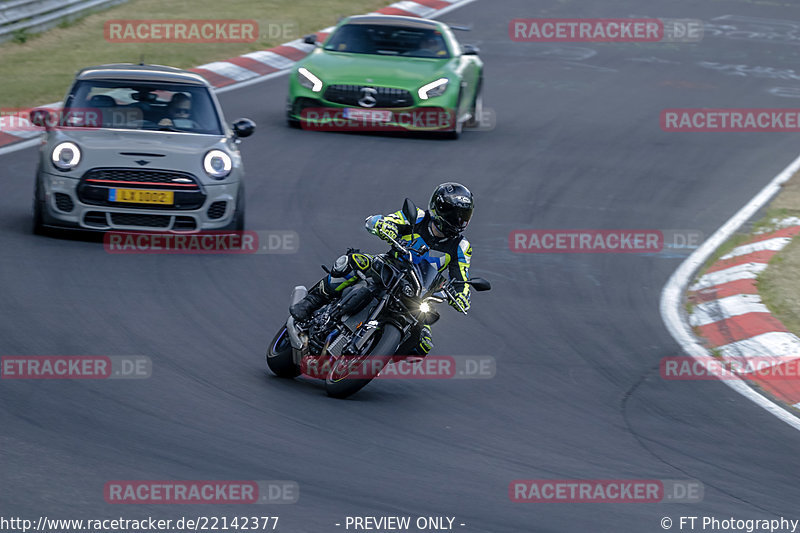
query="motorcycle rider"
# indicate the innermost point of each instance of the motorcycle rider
(440, 228)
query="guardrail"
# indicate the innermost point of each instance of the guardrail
(20, 17)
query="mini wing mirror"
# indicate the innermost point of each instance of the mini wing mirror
(311, 38)
(41, 117)
(243, 127)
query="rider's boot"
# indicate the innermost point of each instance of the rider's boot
(424, 346)
(317, 296)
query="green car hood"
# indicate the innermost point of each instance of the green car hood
(390, 71)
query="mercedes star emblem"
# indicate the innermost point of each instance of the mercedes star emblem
(368, 97)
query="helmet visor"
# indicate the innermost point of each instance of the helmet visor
(455, 218)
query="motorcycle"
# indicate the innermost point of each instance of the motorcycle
(354, 337)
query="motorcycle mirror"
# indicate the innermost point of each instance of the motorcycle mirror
(410, 211)
(480, 284)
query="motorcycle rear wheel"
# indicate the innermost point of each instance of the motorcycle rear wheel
(280, 358)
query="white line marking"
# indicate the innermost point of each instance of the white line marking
(270, 59)
(778, 344)
(229, 70)
(673, 293)
(19, 146)
(27, 130)
(773, 245)
(413, 7)
(734, 273)
(455, 5)
(724, 308)
(300, 45)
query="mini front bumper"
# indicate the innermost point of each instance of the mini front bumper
(63, 208)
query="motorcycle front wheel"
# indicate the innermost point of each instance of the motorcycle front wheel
(338, 384)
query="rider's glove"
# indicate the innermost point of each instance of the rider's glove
(460, 298)
(384, 229)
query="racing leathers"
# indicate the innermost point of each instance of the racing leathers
(450, 253)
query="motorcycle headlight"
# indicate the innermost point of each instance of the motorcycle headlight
(434, 88)
(308, 80)
(217, 164)
(424, 307)
(66, 156)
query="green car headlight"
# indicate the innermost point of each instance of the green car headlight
(434, 88)
(308, 80)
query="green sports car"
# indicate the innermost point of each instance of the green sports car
(387, 73)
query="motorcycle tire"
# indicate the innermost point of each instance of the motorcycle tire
(340, 386)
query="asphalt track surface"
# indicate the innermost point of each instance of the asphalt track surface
(577, 338)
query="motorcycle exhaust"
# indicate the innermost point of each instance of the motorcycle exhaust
(294, 338)
(298, 294)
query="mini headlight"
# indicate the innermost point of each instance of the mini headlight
(434, 88)
(217, 164)
(424, 307)
(66, 156)
(308, 80)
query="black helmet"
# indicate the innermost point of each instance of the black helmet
(451, 208)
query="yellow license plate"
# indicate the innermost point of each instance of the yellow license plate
(141, 196)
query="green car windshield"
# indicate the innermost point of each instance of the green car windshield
(382, 39)
(135, 105)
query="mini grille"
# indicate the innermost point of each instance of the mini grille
(167, 177)
(149, 221)
(184, 224)
(95, 218)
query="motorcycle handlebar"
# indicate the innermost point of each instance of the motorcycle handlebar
(448, 291)
(395, 243)
(446, 288)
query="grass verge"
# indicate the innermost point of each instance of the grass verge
(39, 70)
(779, 284)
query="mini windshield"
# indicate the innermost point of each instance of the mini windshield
(382, 39)
(142, 106)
